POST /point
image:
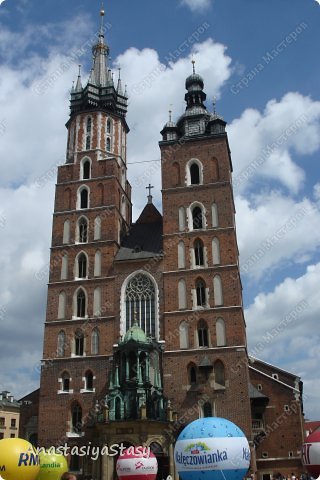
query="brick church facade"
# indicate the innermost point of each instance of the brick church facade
(145, 329)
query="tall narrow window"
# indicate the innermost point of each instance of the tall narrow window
(97, 302)
(84, 198)
(62, 305)
(89, 380)
(215, 251)
(140, 296)
(97, 228)
(219, 373)
(88, 133)
(108, 144)
(184, 334)
(207, 409)
(97, 264)
(64, 267)
(76, 418)
(198, 253)
(203, 337)
(201, 293)
(182, 219)
(175, 174)
(81, 304)
(61, 344)
(79, 343)
(181, 255)
(83, 230)
(66, 232)
(197, 218)
(217, 288)
(82, 266)
(194, 174)
(86, 169)
(192, 374)
(215, 220)
(95, 340)
(109, 126)
(221, 333)
(182, 294)
(65, 385)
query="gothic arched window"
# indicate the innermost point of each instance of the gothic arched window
(215, 251)
(184, 334)
(82, 266)
(198, 253)
(197, 218)
(201, 293)
(203, 337)
(66, 232)
(88, 379)
(181, 255)
(194, 174)
(79, 343)
(62, 302)
(207, 409)
(182, 294)
(218, 293)
(76, 418)
(140, 298)
(83, 230)
(192, 374)
(109, 126)
(61, 344)
(221, 333)
(95, 340)
(65, 384)
(219, 373)
(108, 144)
(97, 228)
(81, 304)
(84, 198)
(86, 169)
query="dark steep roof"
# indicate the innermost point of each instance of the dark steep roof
(144, 239)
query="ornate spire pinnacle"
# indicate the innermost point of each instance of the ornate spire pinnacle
(193, 65)
(79, 84)
(214, 103)
(170, 114)
(102, 19)
(119, 87)
(150, 187)
(92, 80)
(100, 55)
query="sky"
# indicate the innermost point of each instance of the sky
(258, 59)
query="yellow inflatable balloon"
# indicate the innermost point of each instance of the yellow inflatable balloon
(52, 466)
(18, 460)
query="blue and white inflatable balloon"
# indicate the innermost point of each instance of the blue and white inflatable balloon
(212, 448)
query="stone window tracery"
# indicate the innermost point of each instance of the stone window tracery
(140, 303)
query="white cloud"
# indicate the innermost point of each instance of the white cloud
(275, 231)
(285, 128)
(283, 327)
(197, 5)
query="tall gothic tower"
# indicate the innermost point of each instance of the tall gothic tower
(92, 212)
(206, 352)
